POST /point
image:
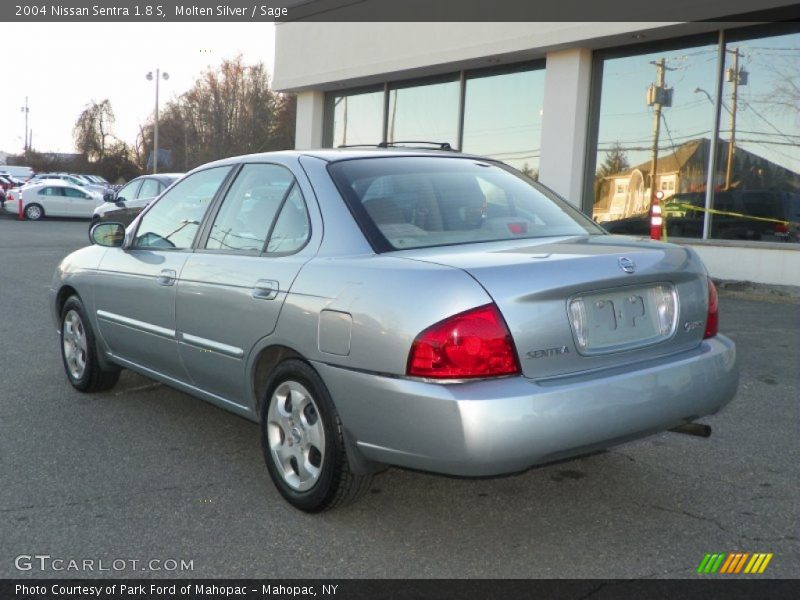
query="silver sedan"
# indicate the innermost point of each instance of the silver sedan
(430, 310)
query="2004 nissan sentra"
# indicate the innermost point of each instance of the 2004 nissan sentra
(430, 310)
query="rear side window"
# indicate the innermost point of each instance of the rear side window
(73, 193)
(416, 202)
(174, 220)
(250, 207)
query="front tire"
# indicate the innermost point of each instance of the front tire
(79, 351)
(34, 212)
(303, 444)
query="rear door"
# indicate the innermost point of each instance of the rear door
(231, 290)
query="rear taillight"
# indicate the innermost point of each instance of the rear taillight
(781, 228)
(475, 343)
(712, 321)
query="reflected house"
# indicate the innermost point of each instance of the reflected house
(627, 194)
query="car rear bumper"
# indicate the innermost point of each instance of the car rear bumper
(506, 425)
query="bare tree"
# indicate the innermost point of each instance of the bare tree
(230, 110)
(93, 129)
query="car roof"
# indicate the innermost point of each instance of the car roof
(340, 154)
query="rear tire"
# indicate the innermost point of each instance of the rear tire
(33, 212)
(303, 443)
(79, 351)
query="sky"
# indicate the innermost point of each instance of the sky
(61, 67)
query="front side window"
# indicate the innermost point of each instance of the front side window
(249, 208)
(150, 188)
(128, 192)
(415, 202)
(174, 220)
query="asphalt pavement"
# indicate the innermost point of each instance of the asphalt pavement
(145, 473)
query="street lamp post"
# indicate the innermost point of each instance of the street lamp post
(26, 110)
(158, 76)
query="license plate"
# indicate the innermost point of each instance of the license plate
(623, 318)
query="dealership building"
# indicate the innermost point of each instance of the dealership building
(599, 111)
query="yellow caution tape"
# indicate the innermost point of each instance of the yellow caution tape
(714, 211)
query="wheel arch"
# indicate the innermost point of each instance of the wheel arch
(264, 364)
(63, 294)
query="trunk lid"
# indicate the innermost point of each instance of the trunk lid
(583, 303)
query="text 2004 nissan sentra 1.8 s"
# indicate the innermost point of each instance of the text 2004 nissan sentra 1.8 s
(425, 309)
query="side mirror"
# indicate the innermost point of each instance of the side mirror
(110, 235)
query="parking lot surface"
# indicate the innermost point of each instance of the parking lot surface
(145, 473)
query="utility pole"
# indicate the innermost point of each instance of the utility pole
(658, 96)
(737, 77)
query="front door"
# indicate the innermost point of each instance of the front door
(136, 289)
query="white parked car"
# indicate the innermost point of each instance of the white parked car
(53, 198)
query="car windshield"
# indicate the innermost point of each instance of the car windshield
(416, 202)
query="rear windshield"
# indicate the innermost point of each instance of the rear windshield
(418, 202)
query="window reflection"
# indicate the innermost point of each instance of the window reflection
(651, 115)
(503, 118)
(424, 113)
(757, 179)
(357, 118)
(755, 191)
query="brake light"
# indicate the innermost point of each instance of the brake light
(712, 321)
(781, 228)
(475, 343)
(518, 228)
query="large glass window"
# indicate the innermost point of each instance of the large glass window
(424, 113)
(357, 118)
(657, 109)
(757, 179)
(494, 112)
(656, 122)
(503, 118)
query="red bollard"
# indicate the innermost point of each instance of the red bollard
(656, 219)
(19, 205)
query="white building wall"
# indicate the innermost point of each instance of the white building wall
(333, 55)
(310, 120)
(768, 264)
(566, 117)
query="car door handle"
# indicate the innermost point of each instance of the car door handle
(166, 277)
(265, 289)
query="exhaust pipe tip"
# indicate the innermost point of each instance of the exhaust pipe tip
(695, 429)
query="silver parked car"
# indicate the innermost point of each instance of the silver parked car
(430, 310)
